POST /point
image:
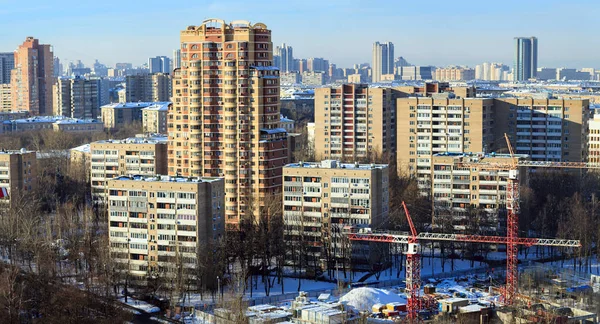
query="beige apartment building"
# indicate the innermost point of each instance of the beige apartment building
(545, 129)
(18, 173)
(117, 115)
(160, 224)
(5, 98)
(320, 199)
(594, 140)
(226, 110)
(468, 198)
(148, 87)
(145, 156)
(32, 78)
(154, 118)
(427, 126)
(454, 73)
(354, 122)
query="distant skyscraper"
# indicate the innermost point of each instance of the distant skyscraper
(32, 78)
(7, 63)
(383, 60)
(58, 71)
(176, 59)
(526, 56)
(159, 64)
(285, 59)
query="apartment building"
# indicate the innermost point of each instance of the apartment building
(154, 118)
(159, 224)
(316, 78)
(77, 98)
(226, 110)
(427, 126)
(454, 73)
(5, 98)
(146, 156)
(56, 123)
(148, 87)
(321, 198)
(32, 78)
(545, 129)
(118, 115)
(468, 198)
(354, 121)
(594, 140)
(18, 173)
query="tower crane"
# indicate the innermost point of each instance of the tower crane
(512, 239)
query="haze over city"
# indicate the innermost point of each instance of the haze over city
(437, 33)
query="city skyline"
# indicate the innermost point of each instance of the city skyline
(414, 32)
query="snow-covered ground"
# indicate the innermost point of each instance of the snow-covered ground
(141, 305)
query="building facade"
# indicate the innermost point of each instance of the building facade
(383, 60)
(56, 123)
(160, 224)
(353, 122)
(148, 87)
(32, 78)
(594, 140)
(526, 58)
(321, 198)
(471, 199)
(146, 156)
(154, 118)
(284, 56)
(427, 126)
(5, 98)
(121, 114)
(159, 64)
(77, 97)
(18, 173)
(225, 116)
(7, 63)
(313, 78)
(454, 74)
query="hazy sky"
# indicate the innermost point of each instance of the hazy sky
(434, 32)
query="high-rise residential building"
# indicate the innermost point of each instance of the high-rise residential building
(7, 63)
(148, 87)
(58, 67)
(154, 118)
(158, 225)
(468, 199)
(32, 78)
(545, 129)
(321, 198)
(145, 156)
(415, 73)
(5, 98)
(18, 173)
(427, 126)
(176, 59)
(159, 64)
(383, 60)
(118, 115)
(526, 58)
(317, 64)
(77, 97)
(285, 55)
(454, 73)
(225, 116)
(353, 122)
(123, 66)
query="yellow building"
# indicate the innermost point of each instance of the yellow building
(154, 118)
(146, 156)
(157, 224)
(18, 173)
(321, 198)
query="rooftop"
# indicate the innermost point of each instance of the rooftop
(333, 164)
(482, 155)
(161, 106)
(164, 178)
(85, 148)
(53, 119)
(123, 105)
(21, 151)
(136, 140)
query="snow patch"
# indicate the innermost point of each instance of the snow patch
(364, 298)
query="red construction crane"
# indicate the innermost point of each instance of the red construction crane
(413, 270)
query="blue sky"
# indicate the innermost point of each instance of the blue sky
(432, 32)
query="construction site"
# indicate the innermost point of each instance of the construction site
(520, 292)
